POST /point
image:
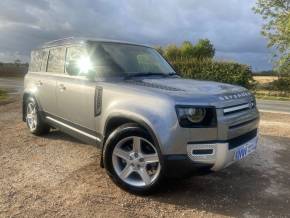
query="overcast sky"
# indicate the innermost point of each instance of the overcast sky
(231, 25)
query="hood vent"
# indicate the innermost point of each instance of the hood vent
(153, 85)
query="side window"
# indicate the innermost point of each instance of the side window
(73, 55)
(44, 60)
(56, 60)
(35, 61)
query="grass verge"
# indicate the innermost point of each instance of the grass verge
(3, 94)
(272, 96)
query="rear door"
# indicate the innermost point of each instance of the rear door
(76, 96)
(44, 83)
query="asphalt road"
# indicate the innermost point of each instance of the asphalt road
(274, 106)
(15, 86)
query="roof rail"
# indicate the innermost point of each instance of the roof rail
(58, 40)
(73, 40)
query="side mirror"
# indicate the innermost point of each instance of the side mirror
(72, 68)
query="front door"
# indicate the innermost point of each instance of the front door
(76, 101)
(76, 96)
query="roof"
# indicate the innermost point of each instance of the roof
(82, 40)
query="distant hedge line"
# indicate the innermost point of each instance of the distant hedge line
(282, 85)
(209, 69)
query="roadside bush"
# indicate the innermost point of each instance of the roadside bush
(220, 71)
(282, 85)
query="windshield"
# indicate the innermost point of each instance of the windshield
(115, 58)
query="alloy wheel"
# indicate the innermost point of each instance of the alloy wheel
(31, 116)
(136, 161)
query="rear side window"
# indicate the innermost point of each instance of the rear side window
(44, 60)
(35, 61)
(56, 58)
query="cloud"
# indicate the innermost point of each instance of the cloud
(230, 24)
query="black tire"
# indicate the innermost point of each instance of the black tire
(41, 127)
(120, 133)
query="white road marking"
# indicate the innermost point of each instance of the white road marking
(275, 112)
(274, 123)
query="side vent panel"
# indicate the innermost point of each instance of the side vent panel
(98, 100)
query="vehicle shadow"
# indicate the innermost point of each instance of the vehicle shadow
(56, 134)
(234, 191)
(239, 190)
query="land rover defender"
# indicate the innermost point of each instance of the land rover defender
(128, 101)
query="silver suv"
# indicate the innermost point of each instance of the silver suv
(127, 100)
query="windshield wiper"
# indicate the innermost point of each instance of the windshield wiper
(172, 74)
(130, 75)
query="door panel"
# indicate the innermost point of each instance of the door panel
(45, 92)
(76, 100)
(43, 83)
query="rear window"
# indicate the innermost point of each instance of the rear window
(56, 60)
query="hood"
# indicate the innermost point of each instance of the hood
(204, 92)
(195, 86)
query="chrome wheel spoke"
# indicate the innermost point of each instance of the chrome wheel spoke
(144, 176)
(34, 123)
(126, 172)
(29, 108)
(34, 111)
(150, 158)
(31, 116)
(137, 145)
(122, 154)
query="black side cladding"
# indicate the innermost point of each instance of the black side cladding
(98, 100)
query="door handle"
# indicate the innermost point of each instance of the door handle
(39, 83)
(62, 87)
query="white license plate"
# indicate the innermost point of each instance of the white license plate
(246, 149)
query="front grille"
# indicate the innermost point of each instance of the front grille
(243, 123)
(239, 108)
(236, 142)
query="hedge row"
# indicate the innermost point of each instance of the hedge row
(209, 69)
(282, 85)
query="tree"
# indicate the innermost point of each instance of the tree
(172, 52)
(276, 28)
(187, 49)
(204, 49)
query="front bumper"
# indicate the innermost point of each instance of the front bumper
(208, 156)
(222, 154)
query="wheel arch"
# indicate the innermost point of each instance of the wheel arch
(115, 121)
(26, 95)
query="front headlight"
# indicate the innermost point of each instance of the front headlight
(190, 116)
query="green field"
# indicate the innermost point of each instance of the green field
(3, 94)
